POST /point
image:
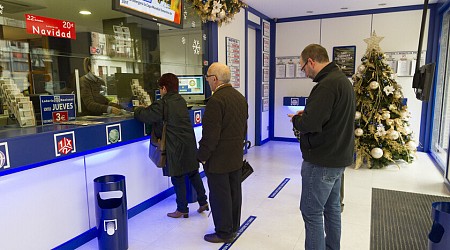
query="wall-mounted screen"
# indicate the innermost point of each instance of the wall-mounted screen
(166, 12)
(192, 88)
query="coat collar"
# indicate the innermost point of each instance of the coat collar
(324, 72)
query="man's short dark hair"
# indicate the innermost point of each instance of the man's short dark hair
(170, 81)
(316, 52)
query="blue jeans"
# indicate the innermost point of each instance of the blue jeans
(319, 204)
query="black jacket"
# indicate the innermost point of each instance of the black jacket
(181, 146)
(224, 130)
(92, 102)
(327, 124)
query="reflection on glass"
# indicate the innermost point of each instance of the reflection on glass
(121, 47)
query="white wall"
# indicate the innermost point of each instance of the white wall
(401, 32)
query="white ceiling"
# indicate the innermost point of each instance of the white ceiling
(298, 8)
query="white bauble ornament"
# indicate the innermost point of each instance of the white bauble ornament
(222, 14)
(359, 132)
(407, 130)
(404, 114)
(386, 115)
(376, 153)
(361, 68)
(357, 115)
(393, 135)
(411, 145)
(374, 85)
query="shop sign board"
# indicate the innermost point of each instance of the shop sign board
(57, 108)
(46, 26)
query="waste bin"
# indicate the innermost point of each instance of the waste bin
(439, 237)
(111, 212)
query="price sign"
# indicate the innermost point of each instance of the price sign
(57, 108)
(45, 26)
(60, 116)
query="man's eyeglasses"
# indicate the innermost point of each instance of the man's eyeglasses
(206, 76)
(304, 65)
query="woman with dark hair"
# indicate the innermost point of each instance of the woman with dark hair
(181, 147)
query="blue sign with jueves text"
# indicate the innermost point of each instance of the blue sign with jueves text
(57, 108)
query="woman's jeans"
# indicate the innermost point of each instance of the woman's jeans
(319, 204)
(179, 184)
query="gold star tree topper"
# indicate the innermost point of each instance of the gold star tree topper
(373, 42)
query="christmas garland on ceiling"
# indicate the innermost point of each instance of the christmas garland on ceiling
(220, 11)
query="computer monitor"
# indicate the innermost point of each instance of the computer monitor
(192, 88)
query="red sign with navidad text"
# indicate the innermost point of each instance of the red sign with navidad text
(45, 26)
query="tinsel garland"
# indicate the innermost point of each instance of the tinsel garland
(220, 11)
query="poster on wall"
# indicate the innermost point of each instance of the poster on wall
(233, 57)
(266, 44)
(266, 60)
(280, 71)
(265, 104)
(265, 90)
(265, 75)
(344, 57)
(266, 28)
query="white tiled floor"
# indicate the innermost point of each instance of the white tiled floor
(278, 223)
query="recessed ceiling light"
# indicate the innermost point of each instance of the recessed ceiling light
(382, 4)
(85, 12)
(344, 8)
(309, 11)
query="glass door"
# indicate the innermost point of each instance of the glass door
(441, 121)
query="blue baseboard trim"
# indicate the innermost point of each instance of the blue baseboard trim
(264, 141)
(79, 240)
(150, 202)
(92, 233)
(284, 139)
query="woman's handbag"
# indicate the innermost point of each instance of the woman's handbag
(157, 148)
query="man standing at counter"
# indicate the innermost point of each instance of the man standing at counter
(92, 101)
(221, 152)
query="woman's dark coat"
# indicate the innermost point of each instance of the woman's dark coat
(181, 146)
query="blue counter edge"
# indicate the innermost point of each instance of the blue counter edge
(92, 233)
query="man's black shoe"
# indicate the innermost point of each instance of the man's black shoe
(213, 238)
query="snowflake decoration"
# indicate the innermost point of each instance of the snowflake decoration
(204, 37)
(196, 47)
(1, 9)
(389, 90)
(183, 40)
(193, 24)
(185, 14)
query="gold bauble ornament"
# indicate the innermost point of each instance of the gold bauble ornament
(374, 85)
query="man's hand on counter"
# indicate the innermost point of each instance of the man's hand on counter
(116, 111)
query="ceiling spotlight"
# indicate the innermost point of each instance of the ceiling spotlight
(309, 11)
(344, 8)
(382, 4)
(85, 12)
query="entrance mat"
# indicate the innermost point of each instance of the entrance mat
(401, 220)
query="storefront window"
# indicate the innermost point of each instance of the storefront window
(120, 47)
(441, 122)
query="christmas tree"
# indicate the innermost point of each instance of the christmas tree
(382, 132)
